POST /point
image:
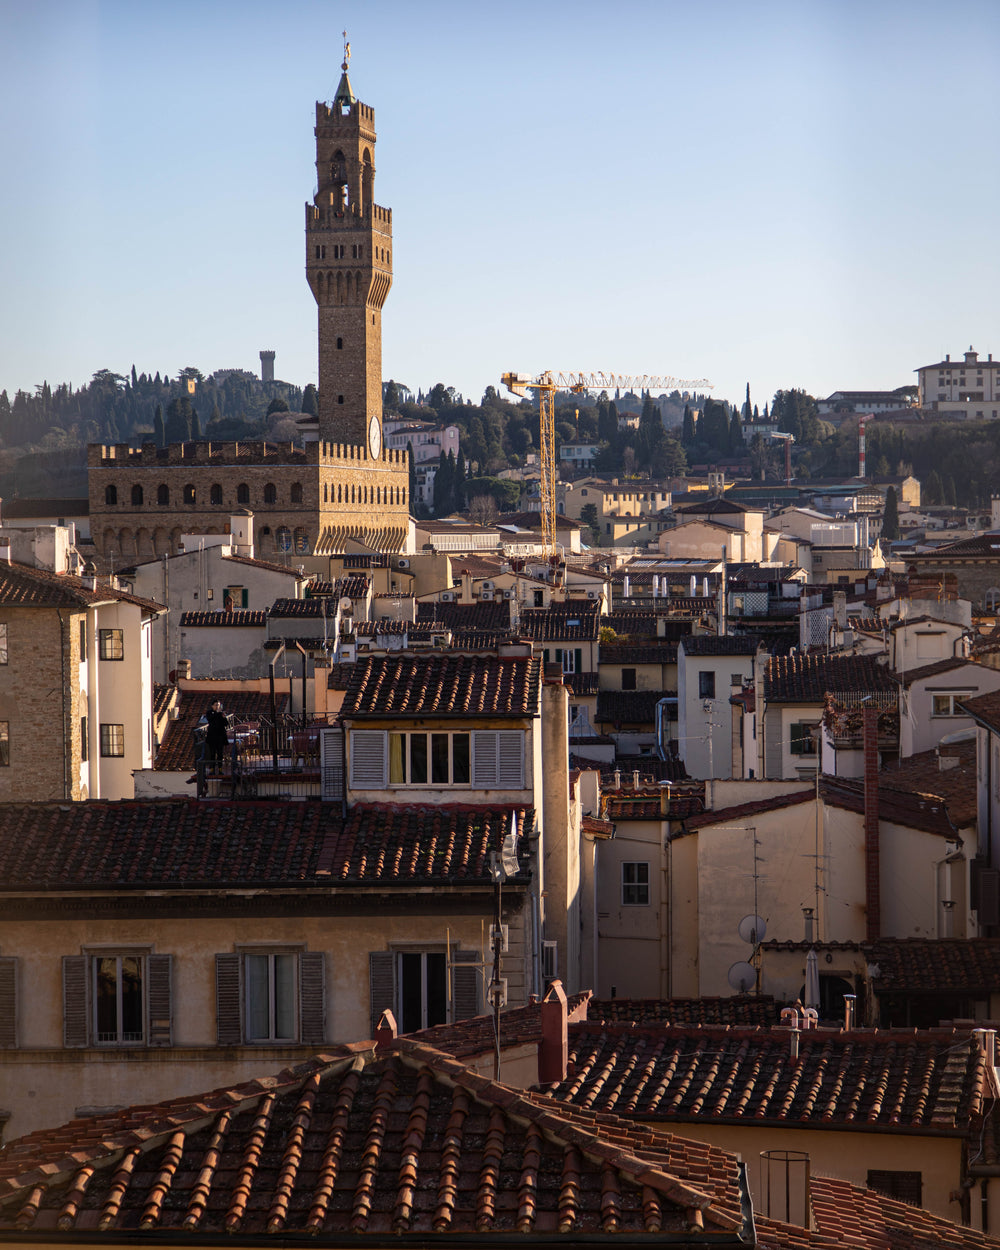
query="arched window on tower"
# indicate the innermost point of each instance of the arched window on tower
(190, 494)
(111, 495)
(296, 492)
(243, 493)
(270, 493)
(338, 176)
(340, 493)
(136, 496)
(163, 494)
(367, 181)
(215, 495)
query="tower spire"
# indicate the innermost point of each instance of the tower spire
(345, 96)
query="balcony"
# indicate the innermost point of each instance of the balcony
(273, 760)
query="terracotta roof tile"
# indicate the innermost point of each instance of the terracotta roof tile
(931, 1081)
(581, 683)
(490, 615)
(807, 678)
(404, 1142)
(185, 844)
(985, 708)
(443, 685)
(23, 586)
(955, 784)
(235, 619)
(631, 624)
(945, 965)
(711, 644)
(561, 622)
(736, 1009)
(270, 565)
(654, 651)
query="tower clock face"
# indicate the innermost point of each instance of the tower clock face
(374, 438)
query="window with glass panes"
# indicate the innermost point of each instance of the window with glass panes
(270, 981)
(429, 759)
(119, 1003)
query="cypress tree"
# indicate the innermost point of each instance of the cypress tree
(890, 518)
(158, 431)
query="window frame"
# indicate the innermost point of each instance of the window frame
(706, 683)
(635, 883)
(273, 1037)
(109, 739)
(407, 757)
(801, 738)
(110, 641)
(95, 958)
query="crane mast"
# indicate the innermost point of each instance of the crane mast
(546, 384)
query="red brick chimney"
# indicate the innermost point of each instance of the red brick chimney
(387, 1030)
(553, 1049)
(873, 906)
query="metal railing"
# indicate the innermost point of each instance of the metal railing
(264, 759)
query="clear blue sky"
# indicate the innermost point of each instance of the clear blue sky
(799, 193)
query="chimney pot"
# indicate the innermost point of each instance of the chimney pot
(553, 1049)
(849, 1000)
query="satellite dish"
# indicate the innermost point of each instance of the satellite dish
(742, 977)
(752, 929)
(346, 604)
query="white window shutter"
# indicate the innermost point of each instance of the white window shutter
(484, 759)
(510, 765)
(368, 759)
(331, 755)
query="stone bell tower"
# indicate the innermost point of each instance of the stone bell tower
(349, 269)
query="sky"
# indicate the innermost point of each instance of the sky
(785, 194)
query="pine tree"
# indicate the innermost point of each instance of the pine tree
(890, 518)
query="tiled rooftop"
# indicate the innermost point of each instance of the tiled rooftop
(634, 624)
(402, 1142)
(270, 565)
(985, 708)
(23, 586)
(745, 1009)
(657, 651)
(922, 774)
(945, 965)
(490, 615)
(934, 1081)
(443, 685)
(235, 619)
(711, 644)
(185, 844)
(581, 683)
(561, 623)
(806, 678)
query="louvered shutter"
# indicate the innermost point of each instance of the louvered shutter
(465, 985)
(368, 759)
(382, 982)
(228, 1024)
(312, 998)
(75, 1000)
(8, 1001)
(331, 755)
(158, 973)
(510, 759)
(484, 759)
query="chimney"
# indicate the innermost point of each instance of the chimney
(183, 670)
(618, 780)
(793, 1042)
(873, 908)
(849, 1012)
(635, 780)
(387, 1030)
(553, 1049)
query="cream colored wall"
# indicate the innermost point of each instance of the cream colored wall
(631, 938)
(683, 917)
(124, 689)
(845, 1154)
(43, 1084)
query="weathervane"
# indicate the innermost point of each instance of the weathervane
(347, 52)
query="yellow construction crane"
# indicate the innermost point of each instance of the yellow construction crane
(546, 384)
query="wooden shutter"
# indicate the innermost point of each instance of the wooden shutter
(368, 759)
(331, 755)
(159, 971)
(510, 759)
(75, 996)
(382, 982)
(228, 1007)
(312, 998)
(465, 985)
(8, 1001)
